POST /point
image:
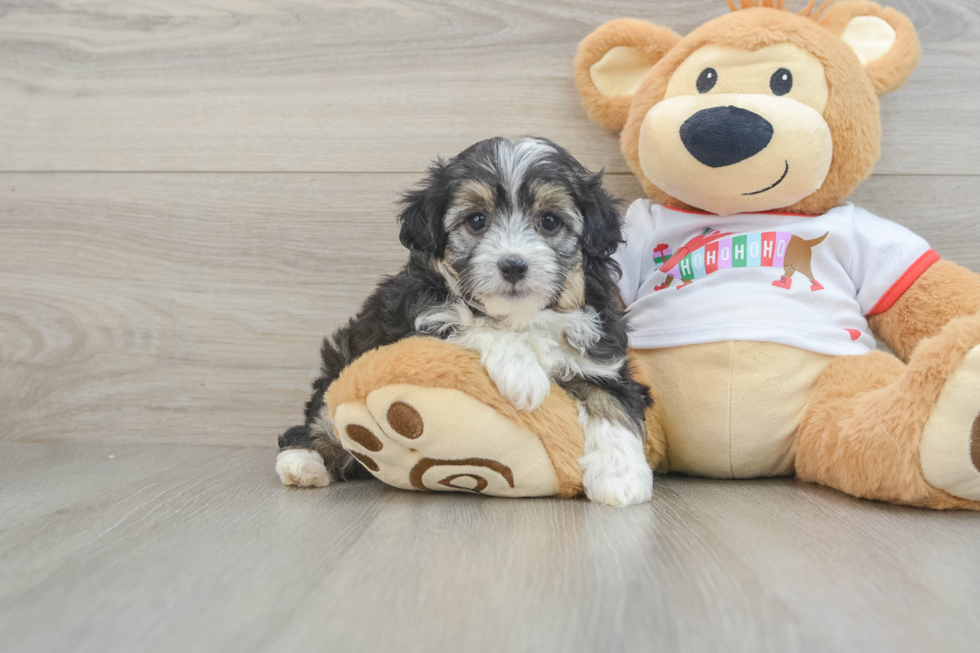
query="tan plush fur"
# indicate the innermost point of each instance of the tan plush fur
(943, 292)
(652, 41)
(718, 412)
(433, 363)
(863, 425)
(892, 70)
(852, 107)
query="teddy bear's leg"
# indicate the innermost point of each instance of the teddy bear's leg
(423, 414)
(880, 429)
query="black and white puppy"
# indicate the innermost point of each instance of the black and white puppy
(510, 256)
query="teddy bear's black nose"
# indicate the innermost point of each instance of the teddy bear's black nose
(721, 136)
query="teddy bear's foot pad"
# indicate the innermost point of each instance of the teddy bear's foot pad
(419, 438)
(950, 448)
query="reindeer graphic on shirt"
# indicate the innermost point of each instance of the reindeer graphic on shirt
(713, 250)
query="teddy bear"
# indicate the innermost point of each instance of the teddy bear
(755, 292)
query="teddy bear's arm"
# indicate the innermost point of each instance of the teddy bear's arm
(942, 293)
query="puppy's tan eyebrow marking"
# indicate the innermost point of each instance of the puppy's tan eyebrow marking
(471, 195)
(475, 193)
(549, 196)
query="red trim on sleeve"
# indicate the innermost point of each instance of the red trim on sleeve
(907, 279)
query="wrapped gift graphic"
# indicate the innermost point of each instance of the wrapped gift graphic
(661, 253)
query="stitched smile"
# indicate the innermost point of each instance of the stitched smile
(778, 181)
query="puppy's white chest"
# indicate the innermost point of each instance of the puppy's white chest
(556, 341)
(545, 348)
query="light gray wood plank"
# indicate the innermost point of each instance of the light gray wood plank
(178, 573)
(190, 307)
(379, 85)
(213, 554)
(81, 473)
(197, 301)
(845, 535)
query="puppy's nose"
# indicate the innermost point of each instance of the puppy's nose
(721, 136)
(513, 268)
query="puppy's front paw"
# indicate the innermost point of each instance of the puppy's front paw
(604, 484)
(614, 468)
(302, 467)
(523, 382)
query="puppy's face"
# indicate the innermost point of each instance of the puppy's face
(510, 231)
(513, 228)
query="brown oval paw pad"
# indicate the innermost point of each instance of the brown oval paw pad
(367, 461)
(975, 442)
(405, 420)
(364, 437)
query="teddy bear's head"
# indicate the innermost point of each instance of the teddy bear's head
(761, 109)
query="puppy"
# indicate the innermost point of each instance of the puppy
(510, 256)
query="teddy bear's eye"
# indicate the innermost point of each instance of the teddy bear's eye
(781, 81)
(707, 80)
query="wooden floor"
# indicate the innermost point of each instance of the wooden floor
(193, 194)
(130, 547)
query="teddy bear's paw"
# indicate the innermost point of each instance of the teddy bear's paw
(302, 467)
(617, 475)
(419, 438)
(950, 448)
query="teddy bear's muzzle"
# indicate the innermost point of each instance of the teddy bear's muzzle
(732, 153)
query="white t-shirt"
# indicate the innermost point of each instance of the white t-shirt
(806, 281)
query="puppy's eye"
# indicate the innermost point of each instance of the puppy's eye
(781, 81)
(477, 222)
(707, 80)
(549, 223)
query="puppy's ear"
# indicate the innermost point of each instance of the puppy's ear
(422, 210)
(612, 62)
(602, 229)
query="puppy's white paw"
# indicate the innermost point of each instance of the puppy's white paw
(525, 385)
(302, 467)
(615, 489)
(615, 471)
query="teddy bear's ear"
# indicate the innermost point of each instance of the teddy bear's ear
(612, 61)
(883, 39)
